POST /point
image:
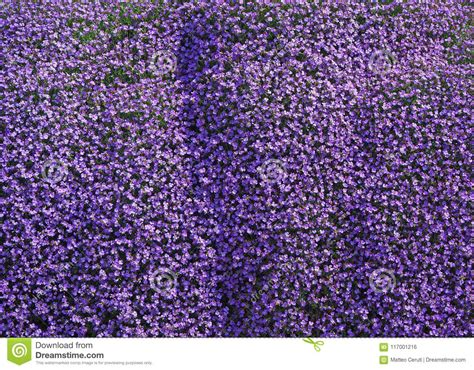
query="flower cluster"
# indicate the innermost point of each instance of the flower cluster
(225, 168)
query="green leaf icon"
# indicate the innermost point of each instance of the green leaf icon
(19, 350)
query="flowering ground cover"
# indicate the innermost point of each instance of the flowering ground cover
(224, 169)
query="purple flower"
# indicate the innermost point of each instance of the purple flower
(235, 170)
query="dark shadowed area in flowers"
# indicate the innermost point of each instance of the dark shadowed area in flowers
(235, 170)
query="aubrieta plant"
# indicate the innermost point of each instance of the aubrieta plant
(201, 169)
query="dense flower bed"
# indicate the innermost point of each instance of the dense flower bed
(219, 169)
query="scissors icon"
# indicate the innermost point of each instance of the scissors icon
(315, 344)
